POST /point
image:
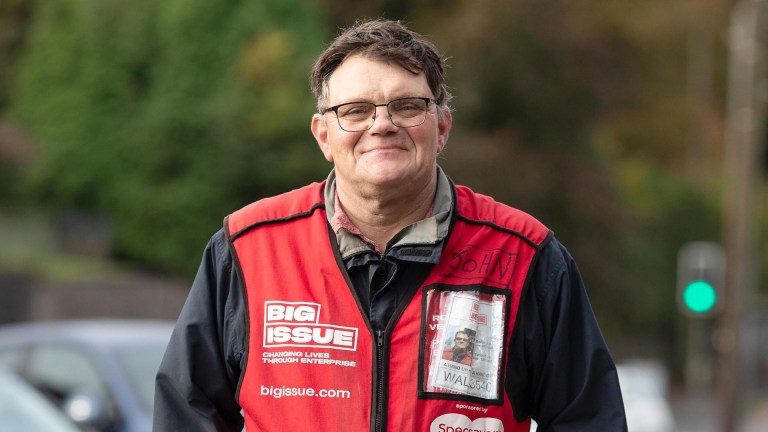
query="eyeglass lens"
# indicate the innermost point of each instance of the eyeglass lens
(359, 116)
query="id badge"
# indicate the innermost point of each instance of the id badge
(462, 344)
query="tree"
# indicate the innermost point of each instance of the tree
(167, 115)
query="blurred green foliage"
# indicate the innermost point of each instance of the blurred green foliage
(167, 115)
(577, 112)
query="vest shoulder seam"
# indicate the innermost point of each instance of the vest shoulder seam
(516, 233)
(288, 218)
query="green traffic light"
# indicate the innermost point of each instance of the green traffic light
(699, 296)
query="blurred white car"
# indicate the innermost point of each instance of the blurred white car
(24, 409)
(645, 389)
(100, 372)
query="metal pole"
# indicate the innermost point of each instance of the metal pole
(740, 173)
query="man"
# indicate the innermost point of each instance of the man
(325, 308)
(459, 352)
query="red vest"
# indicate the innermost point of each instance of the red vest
(313, 363)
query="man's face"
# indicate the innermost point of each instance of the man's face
(384, 155)
(461, 340)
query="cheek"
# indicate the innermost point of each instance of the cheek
(436, 139)
(427, 142)
(343, 147)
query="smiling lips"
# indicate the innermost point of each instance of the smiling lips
(383, 148)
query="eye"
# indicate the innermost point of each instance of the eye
(407, 107)
(355, 110)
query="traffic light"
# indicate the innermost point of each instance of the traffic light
(700, 279)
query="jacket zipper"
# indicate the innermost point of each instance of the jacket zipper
(380, 351)
(379, 379)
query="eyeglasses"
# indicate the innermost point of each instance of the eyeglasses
(360, 116)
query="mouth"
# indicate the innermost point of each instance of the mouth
(384, 149)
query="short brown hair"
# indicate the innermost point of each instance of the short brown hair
(384, 40)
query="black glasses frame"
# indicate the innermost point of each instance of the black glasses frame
(335, 110)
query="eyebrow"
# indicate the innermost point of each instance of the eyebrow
(402, 96)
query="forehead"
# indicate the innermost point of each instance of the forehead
(362, 78)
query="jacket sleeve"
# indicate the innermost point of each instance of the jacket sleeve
(196, 385)
(561, 373)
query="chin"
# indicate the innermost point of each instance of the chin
(384, 176)
(385, 181)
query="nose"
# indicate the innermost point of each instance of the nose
(385, 125)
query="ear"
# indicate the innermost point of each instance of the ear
(319, 129)
(444, 122)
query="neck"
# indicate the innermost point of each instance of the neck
(380, 213)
